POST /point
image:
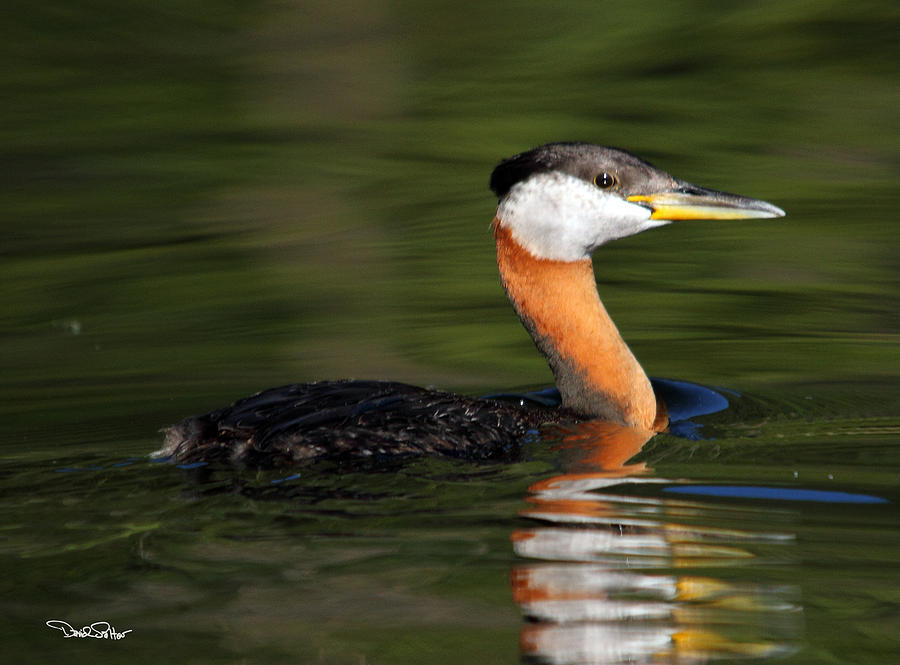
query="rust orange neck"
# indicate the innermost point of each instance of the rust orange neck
(557, 301)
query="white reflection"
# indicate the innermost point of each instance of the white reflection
(624, 585)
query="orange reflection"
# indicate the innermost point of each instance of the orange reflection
(611, 583)
(601, 447)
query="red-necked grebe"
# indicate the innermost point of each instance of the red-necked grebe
(557, 204)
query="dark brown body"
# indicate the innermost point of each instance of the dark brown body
(298, 423)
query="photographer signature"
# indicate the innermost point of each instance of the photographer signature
(100, 630)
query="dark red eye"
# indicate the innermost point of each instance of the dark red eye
(605, 180)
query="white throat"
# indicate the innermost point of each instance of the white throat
(561, 217)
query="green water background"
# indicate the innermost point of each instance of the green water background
(204, 199)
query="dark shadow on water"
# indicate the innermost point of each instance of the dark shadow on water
(683, 400)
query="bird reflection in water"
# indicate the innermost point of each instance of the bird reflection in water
(615, 582)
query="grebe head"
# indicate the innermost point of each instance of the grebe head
(558, 203)
(561, 201)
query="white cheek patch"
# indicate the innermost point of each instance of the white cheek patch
(560, 217)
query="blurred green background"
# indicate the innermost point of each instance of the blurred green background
(208, 198)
